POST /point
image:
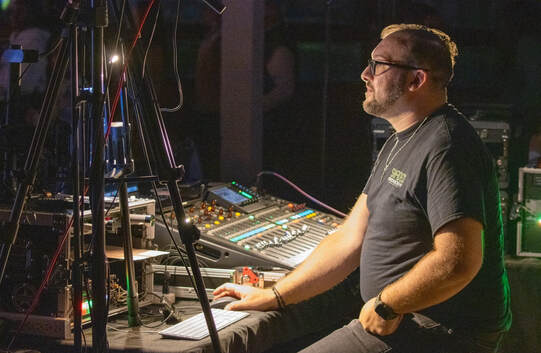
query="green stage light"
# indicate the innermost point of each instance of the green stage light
(4, 4)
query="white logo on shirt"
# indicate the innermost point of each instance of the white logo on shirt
(397, 178)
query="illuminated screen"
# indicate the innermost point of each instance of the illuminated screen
(230, 195)
(4, 4)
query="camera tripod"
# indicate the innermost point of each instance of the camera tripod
(93, 15)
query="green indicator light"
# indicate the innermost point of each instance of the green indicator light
(234, 182)
(251, 217)
(246, 194)
(247, 247)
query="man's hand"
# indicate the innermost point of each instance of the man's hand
(251, 298)
(373, 323)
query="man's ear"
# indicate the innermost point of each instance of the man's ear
(419, 80)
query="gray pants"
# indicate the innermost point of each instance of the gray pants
(316, 321)
(416, 334)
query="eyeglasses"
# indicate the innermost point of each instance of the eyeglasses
(373, 63)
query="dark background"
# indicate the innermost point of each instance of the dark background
(498, 66)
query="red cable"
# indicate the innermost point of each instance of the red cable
(35, 301)
(121, 81)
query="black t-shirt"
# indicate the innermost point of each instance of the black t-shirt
(432, 173)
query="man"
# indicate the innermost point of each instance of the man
(427, 227)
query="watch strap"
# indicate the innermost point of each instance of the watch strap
(384, 310)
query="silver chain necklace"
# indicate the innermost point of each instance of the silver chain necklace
(390, 159)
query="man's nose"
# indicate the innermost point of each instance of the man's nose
(366, 75)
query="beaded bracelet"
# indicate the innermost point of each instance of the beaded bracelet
(279, 299)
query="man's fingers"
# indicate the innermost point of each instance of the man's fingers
(242, 305)
(222, 294)
(220, 289)
(234, 306)
(227, 289)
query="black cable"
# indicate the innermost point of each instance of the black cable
(105, 215)
(151, 38)
(84, 340)
(298, 189)
(41, 55)
(50, 272)
(117, 42)
(175, 67)
(171, 309)
(88, 298)
(114, 199)
(53, 48)
(121, 19)
(20, 78)
(24, 72)
(160, 207)
(106, 98)
(171, 234)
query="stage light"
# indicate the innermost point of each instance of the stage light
(4, 4)
(113, 59)
(86, 306)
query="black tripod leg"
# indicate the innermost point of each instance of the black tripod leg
(131, 288)
(157, 139)
(13, 112)
(77, 278)
(97, 185)
(9, 235)
(189, 234)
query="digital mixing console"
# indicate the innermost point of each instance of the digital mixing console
(242, 228)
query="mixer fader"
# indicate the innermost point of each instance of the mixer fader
(242, 228)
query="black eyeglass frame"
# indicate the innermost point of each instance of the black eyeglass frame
(372, 65)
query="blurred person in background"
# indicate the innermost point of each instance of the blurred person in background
(278, 90)
(27, 31)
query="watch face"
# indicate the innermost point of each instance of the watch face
(380, 310)
(384, 311)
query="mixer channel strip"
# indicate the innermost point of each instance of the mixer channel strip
(297, 249)
(276, 234)
(249, 223)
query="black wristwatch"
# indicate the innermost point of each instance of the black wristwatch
(384, 310)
